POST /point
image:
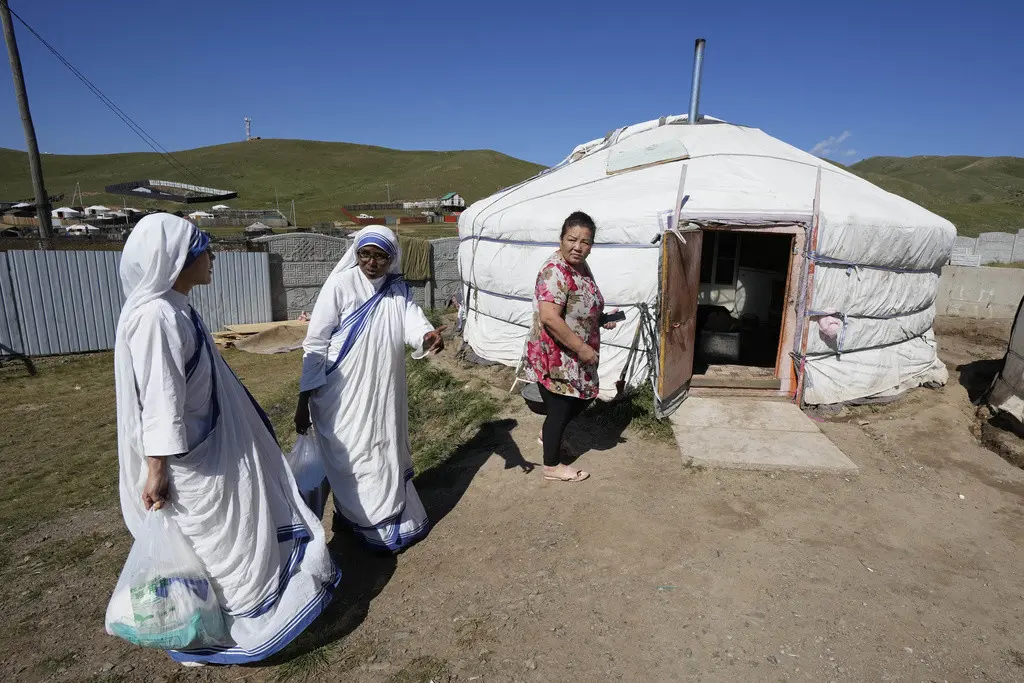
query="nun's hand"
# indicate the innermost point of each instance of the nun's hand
(302, 419)
(154, 494)
(433, 342)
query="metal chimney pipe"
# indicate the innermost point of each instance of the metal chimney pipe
(698, 67)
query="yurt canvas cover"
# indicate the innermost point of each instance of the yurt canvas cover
(1007, 392)
(862, 257)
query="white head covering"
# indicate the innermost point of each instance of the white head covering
(378, 236)
(151, 261)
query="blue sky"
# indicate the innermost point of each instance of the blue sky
(531, 79)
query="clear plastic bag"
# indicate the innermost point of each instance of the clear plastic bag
(306, 462)
(307, 465)
(164, 598)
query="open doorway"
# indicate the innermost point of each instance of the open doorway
(741, 308)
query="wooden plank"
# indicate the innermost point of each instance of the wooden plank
(254, 328)
(719, 392)
(736, 382)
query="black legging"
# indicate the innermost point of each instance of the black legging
(560, 410)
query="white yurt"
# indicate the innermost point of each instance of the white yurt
(741, 262)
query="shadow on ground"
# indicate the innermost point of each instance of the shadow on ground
(365, 573)
(976, 377)
(443, 486)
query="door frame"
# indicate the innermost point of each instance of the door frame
(786, 370)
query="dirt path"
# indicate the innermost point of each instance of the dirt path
(653, 571)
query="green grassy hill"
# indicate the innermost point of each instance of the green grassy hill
(319, 176)
(978, 194)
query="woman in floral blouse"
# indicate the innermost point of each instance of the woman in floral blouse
(562, 352)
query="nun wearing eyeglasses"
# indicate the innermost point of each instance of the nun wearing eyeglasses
(353, 390)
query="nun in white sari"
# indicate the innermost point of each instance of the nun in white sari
(353, 390)
(192, 440)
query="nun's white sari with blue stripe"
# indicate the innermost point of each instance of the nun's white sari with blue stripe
(354, 365)
(231, 491)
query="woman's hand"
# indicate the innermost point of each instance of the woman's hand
(154, 494)
(587, 355)
(433, 342)
(611, 324)
(302, 419)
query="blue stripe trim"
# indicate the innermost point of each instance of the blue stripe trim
(390, 528)
(356, 321)
(205, 343)
(406, 478)
(193, 362)
(301, 538)
(299, 623)
(396, 540)
(386, 245)
(199, 243)
(527, 243)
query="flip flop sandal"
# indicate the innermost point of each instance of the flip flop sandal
(580, 475)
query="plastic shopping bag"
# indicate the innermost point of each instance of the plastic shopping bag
(164, 598)
(307, 465)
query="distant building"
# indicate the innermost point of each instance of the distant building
(449, 202)
(198, 215)
(422, 204)
(453, 202)
(258, 229)
(97, 210)
(65, 212)
(82, 229)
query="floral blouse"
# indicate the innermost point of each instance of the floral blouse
(546, 361)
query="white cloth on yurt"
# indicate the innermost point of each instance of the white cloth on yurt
(231, 493)
(877, 257)
(354, 365)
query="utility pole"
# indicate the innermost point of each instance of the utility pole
(388, 185)
(34, 164)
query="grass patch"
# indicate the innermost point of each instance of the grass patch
(309, 666)
(1005, 265)
(434, 316)
(273, 380)
(58, 434)
(443, 414)
(422, 669)
(635, 411)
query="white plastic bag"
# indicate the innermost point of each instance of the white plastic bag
(164, 598)
(307, 465)
(306, 462)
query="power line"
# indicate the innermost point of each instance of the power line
(125, 118)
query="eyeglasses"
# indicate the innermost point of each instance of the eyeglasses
(376, 258)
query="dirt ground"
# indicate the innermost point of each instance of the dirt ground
(649, 571)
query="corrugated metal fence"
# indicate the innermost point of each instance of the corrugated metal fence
(56, 302)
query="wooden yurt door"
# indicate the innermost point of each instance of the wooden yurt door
(677, 319)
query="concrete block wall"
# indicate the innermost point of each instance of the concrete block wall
(988, 247)
(446, 270)
(972, 292)
(300, 263)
